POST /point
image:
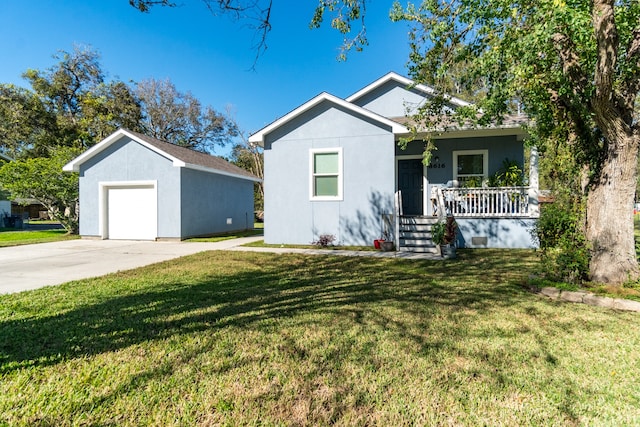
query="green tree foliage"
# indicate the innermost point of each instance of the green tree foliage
(25, 122)
(70, 104)
(42, 179)
(251, 157)
(180, 118)
(574, 67)
(86, 107)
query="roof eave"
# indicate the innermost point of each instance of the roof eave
(74, 165)
(460, 132)
(258, 137)
(407, 82)
(221, 172)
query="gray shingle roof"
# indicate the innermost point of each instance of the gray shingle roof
(511, 121)
(194, 157)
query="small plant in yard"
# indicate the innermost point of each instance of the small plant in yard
(444, 232)
(437, 233)
(325, 240)
(563, 248)
(450, 230)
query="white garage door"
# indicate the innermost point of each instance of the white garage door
(132, 213)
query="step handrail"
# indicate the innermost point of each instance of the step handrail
(397, 215)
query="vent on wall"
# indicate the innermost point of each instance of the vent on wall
(479, 241)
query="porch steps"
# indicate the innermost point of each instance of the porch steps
(415, 234)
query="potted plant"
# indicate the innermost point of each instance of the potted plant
(385, 243)
(443, 234)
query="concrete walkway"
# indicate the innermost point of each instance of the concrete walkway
(339, 252)
(34, 266)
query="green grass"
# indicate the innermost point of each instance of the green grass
(15, 238)
(229, 338)
(247, 233)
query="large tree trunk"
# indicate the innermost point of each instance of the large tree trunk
(609, 223)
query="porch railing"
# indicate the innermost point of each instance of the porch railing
(487, 202)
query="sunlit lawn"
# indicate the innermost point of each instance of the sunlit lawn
(15, 238)
(228, 338)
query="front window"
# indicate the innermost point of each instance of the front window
(470, 167)
(326, 179)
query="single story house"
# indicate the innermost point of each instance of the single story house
(135, 187)
(333, 166)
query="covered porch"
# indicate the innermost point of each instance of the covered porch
(487, 217)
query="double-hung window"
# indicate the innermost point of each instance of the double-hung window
(326, 174)
(470, 166)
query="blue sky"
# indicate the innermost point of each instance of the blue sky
(209, 56)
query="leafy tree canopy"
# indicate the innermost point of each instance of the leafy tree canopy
(42, 179)
(180, 118)
(574, 66)
(70, 104)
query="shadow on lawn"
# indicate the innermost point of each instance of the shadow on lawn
(267, 290)
(342, 285)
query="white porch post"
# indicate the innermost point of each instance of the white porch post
(396, 216)
(534, 209)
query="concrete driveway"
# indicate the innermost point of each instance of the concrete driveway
(34, 266)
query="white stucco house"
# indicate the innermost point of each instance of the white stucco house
(333, 166)
(135, 187)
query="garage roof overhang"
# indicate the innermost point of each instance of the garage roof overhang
(74, 165)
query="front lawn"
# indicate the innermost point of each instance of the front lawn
(229, 338)
(26, 237)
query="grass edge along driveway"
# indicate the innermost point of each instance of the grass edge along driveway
(228, 338)
(29, 237)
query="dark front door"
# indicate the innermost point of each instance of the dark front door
(410, 179)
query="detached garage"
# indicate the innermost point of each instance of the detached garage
(134, 187)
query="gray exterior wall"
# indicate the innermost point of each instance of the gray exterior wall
(508, 233)
(391, 99)
(126, 160)
(439, 173)
(504, 233)
(499, 148)
(368, 167)
(208, 200)
(190, 202)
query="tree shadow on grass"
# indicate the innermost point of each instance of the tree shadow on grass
(269, 287)
(275, 290)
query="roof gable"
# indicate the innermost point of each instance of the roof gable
(396, 127)
(180, 156)
(394, 77)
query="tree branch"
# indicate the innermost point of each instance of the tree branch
(631, 84)
(570, 61)
(145, 5)
(607, 45)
